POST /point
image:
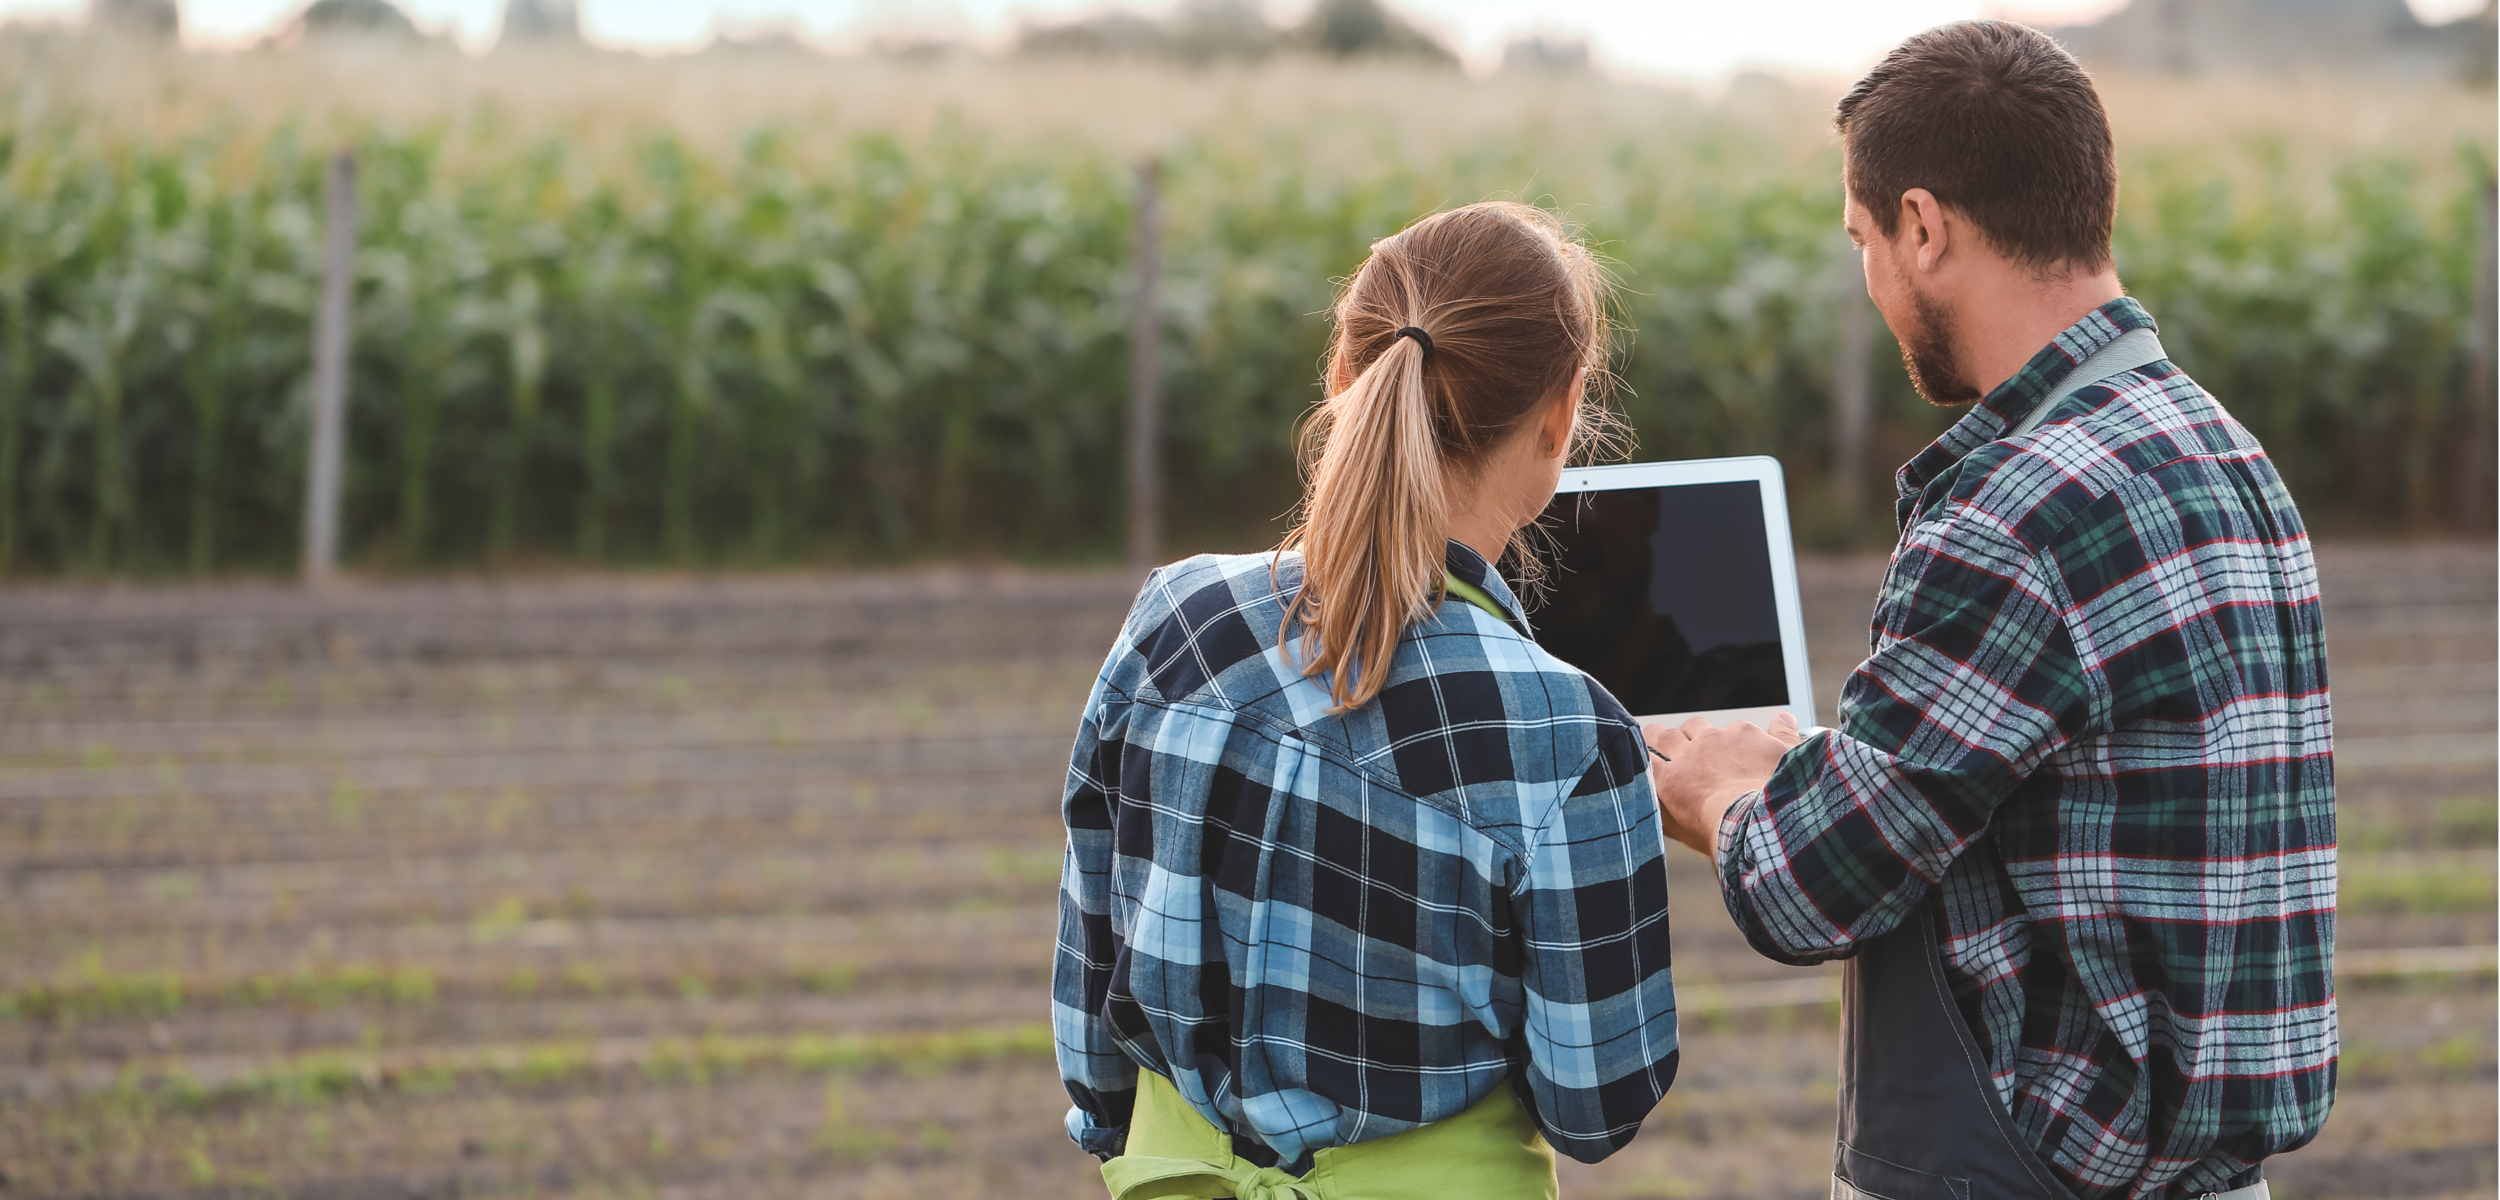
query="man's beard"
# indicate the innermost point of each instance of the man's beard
(1935, 370)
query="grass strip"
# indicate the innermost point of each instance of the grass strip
(90, 992)
(98, 993)
(2371, 886)
(328, 1076)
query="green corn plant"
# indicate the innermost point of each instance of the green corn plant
(431, 274)
(689, 406)
(878, 387)
(102, 317)
(774, 445)
(211, 249)
(42, 225)
(597, 281)
(686, 245)
(526, 339)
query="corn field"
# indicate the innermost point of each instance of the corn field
(654, 346)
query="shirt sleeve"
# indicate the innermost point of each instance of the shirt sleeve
(1974, 682)
(1099, 1077)
(1599, 1013)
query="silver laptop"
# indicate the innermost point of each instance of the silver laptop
(1675, 585)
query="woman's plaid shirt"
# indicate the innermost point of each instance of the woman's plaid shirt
(2094, 735)
(1328, 928)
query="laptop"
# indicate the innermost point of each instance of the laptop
(1674, 584)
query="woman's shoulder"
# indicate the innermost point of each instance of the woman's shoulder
(1473, 712)
(1200, 619)
(1204, 586)
(1220, 612)
(1479, 674)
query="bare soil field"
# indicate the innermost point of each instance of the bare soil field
(743, 887)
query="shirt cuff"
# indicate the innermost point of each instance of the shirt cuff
(1731, 828)
(1102, 1141)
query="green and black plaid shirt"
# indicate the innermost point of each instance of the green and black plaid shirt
(2092, 734)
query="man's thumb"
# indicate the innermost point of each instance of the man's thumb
(1784, 726)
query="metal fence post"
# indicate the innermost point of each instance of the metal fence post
(330, 345)
(1853, 404)
(1145, 417)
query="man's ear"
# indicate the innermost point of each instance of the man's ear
(1924, 228)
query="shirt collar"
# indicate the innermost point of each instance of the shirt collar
(1469, 567)
(2014, 399)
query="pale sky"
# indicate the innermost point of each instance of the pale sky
(1692, 38)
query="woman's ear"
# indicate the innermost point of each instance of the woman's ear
(1561, 413)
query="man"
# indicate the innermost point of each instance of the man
(2075, 828)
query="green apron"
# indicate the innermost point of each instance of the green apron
(1492, 1151)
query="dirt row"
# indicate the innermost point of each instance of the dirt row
(1750, 1116)
(249, 834)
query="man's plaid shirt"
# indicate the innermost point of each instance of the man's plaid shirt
(2093, 735)
(1328, 928)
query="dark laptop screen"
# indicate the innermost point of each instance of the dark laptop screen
(1664, 595)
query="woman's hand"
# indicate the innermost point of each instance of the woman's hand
(1702, 769)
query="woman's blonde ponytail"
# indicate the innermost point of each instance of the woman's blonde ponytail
(1451, 336)
(1371, 537)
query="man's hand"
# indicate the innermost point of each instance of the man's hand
(1708, 768)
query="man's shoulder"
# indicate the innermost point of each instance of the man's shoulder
(2147, 437)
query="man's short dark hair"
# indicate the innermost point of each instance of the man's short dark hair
(2003, 126)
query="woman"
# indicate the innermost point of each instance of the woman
(1364, 894)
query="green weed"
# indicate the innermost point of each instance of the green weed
(501, 921)
(844, 1138)
(2467, 820)
(203, 1168)
(586, 979)
(934, 1137)
(1036, 867)
(834, 979)
(2464, 1056)
(173, 886)
(347, 802)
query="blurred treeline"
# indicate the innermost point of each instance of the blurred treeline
(651, 347)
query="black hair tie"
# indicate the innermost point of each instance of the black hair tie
(1421, 338)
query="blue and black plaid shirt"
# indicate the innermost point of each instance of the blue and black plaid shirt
(1328, 928)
